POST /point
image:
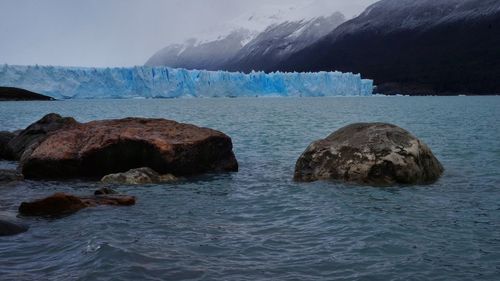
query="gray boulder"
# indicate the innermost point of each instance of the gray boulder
(369, 153)
(138, 176)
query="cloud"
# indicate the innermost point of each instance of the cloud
(122, 32)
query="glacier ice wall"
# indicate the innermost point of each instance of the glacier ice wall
(165, 82)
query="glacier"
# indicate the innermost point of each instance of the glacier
(165, 82)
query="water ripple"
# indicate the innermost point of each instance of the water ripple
(258, 224)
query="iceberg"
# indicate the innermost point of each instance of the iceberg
(164, 82)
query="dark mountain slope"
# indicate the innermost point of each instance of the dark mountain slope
(414, 47)
(280, 41)
(243, 50)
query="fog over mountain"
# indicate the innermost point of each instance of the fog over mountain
(245, 49)
(192, 54)
(280, 41)
(108, 33)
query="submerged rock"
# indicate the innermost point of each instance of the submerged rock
(369, 153)
(64, 204)
(29, 138)
(113, 200)
(104, 191)
(99, 148)
(11, 227)
(10, 176)
(5, 150)
(138, 176)
(55, 205)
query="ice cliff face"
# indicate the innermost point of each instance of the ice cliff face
(164, 82)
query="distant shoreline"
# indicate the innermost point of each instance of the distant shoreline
(438, 95)
(18, 94)
(45, 98)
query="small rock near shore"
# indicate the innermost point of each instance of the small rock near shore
(10, 176)
(55, 205)
(105, 191)
(5, 150)
(138, 176)
(112, 200)
(10, 227)
(65, 204)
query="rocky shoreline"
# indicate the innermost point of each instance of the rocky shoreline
(123, 151)
(141, 151)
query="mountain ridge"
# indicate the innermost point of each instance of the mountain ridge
(411, 47)
(248, 39)
(280, 41)
(456, 54)
(211, 55)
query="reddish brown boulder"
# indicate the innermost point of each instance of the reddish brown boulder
(99, 148)
(64, 204)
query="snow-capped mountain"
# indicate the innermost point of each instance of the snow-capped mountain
(267, 32)
(211, 55)
(268, 15)
(279, 41)
(414, 46)
(394, 15)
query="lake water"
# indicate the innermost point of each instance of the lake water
(258, 224)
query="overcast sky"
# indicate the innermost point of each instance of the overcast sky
(119, 32)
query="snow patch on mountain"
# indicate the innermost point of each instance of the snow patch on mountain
(393, 15)
(265, 16)
(215, 48)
